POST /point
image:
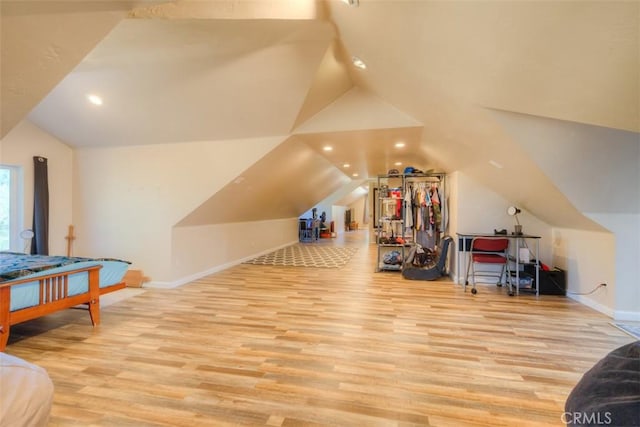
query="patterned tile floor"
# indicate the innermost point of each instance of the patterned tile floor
(307, 255)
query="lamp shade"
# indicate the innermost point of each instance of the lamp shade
(26, 234)
(512, 210)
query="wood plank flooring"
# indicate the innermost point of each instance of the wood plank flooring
(285, 346)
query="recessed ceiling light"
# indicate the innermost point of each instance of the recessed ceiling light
(359, 63)
(354, 175)
(94, 99)
(398, 163)
(399, 144)
(327, 148)
(346, 165)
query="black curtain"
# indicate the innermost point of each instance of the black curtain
(40, 242)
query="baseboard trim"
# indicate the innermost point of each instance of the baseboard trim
(212, 270)
(592, 304)
(627, 316)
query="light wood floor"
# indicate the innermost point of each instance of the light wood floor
(281, 346)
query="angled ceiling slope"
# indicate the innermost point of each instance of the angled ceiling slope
(331, 81)
(575, 61)
(553, 145)
(357, 109)
(363, 131)
(283, 184)
(42, 41)
(444, 63)
(233, 9)
(188, 80)
(301, 176)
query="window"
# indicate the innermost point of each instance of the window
(10, 207)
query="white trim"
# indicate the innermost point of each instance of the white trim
(627, 316)
(592, 304)
(159, 285)
(212, 270)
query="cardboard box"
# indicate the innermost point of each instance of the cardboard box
(135, 278)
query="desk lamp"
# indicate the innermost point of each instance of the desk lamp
(514, 211)
(26, 235)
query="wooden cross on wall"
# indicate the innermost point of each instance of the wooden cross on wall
(70, 238)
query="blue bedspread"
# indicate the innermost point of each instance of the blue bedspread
(14, 265)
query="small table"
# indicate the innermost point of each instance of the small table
(463, 246)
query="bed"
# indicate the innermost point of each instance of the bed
(32, 286)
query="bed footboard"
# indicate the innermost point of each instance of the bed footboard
(53, 296)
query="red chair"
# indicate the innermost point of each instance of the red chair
(487, 251)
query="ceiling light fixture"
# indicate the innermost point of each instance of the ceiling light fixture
(399, 144)
(346, 165)
(359, 63)
(355, 175)
(398, 163)
(327, 148)
(94, 99)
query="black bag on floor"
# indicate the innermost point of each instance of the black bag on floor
(432, 271)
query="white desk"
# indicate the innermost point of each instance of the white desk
(464, 243)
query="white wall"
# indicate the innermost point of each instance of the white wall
(357, 214)
(588, 258)
(18, 148)
(129, 198)
(337, 213)
(337, 203)
(596, 168)
(626, 228)
(198, 251)
(477, 209)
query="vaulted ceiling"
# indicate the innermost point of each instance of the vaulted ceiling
(439, 76)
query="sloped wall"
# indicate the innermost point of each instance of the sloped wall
(201, 250)
(129, 198)
(596, 168)
(42, 42)
(475, 208)
(588, 257)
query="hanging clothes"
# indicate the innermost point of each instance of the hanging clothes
(408, 210)
(422, 202)
(396, 194)
(435, 199)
